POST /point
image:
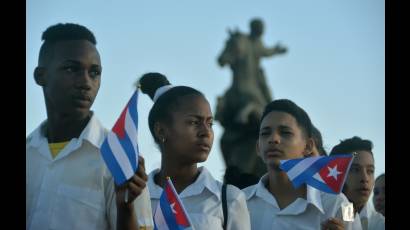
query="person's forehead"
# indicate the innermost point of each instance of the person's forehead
(279, 118)
(194, 105)
(75, 49)
(363, 158)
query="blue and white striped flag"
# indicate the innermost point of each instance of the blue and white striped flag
(120, 147)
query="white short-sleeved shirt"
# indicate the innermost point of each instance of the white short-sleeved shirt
(75, 190)
(306, 213)
(202, 201)
(371, 219)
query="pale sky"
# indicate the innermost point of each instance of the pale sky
(335, 67)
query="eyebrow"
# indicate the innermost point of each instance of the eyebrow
(199, 116)
(79, 63)
(358, 165)
(279, 127)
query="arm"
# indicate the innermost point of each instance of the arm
(270, 51)
(126, 216)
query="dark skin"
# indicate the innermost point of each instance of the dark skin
(188, 141)
(280, 138)
(70, 77)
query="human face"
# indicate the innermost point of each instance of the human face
(71, 78)
(360, 180)
(378, 195)
(189, 137)
(280, 138)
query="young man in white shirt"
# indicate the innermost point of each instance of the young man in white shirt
(360, 180)
(67, 183)
(286, 133)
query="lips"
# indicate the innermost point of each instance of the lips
(82, 100)
(364, 191)
(273, 152)
(204, 146)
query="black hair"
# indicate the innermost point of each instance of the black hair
(379, 177)
(63, 32)
(288, 106)
(317, 138)
(167, 102)
(351, 145)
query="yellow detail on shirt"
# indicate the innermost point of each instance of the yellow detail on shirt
(55, 148)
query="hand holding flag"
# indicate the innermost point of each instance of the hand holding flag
(326, 173)
(170, 212)
(120, 148)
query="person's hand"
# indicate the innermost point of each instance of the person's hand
(134, 185)
(333, 224)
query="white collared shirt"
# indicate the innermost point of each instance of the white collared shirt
(306, 213)
(202, 201)
(373, 219)
(75, 190)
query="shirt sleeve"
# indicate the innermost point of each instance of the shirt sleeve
(238, 214)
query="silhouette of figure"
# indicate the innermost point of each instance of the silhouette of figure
(240, 108)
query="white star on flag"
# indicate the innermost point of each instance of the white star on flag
(172, 208)
(333, 172)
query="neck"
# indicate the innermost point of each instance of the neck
(181, 175)
(282, 189)
(358, 208)
(61, 128)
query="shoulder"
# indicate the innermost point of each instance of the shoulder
(250, 191)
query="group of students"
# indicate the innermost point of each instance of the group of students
(68, 185)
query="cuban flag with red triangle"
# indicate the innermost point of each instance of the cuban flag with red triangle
(120, 147)
(170, 212)
(326, 173)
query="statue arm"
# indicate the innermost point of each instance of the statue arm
(270, 51)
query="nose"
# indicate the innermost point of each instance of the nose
(205, 130)
(274, 138)
(83, 79)
(365, 177)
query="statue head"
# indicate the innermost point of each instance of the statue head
(256, 27)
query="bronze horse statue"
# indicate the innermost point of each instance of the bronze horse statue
(240, 108)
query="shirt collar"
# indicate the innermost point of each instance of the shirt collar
(94, 133)
(204, 180)
(313, 195)
(365, 212)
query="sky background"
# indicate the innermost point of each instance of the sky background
(334, 68)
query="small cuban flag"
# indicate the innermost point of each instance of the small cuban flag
(120, 147)
(326, 173)
(170, 212)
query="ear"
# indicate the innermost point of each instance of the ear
(308, 152)
(159, 131)
(39, 75)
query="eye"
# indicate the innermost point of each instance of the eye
(376, 191)
(194, 122)
(354, 170)
(264, 133)
(71, 69)
(95, 73)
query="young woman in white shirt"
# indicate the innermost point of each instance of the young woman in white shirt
(285, 133)
(180, 122)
